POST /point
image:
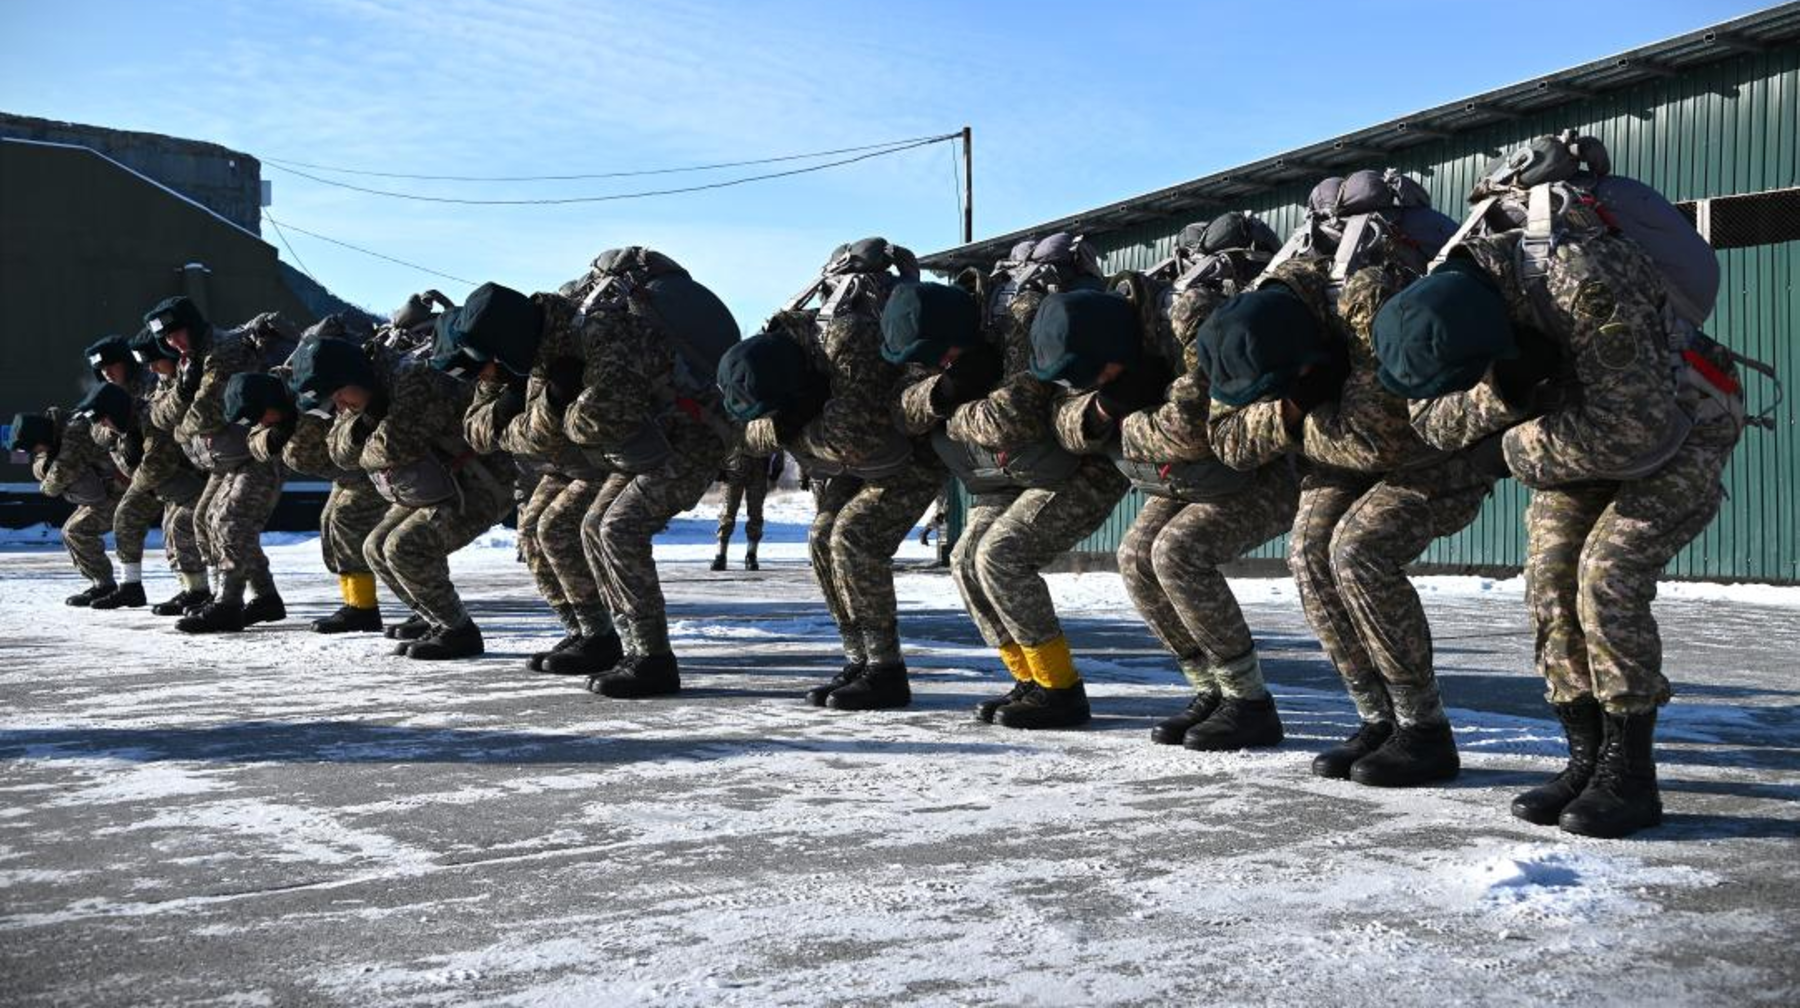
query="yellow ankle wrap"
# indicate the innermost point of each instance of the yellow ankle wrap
(1016, 662)
(358, 589)
(1051, 664)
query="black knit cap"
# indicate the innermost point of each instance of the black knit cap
(1442, 333)
(145, 348)
(109, 350)
(321, 367)
(495, 323)
(107, 402)
(1256, 343)
(1077, 333)
(30, 429)
(250, 394)
(172, 314)
(922, 321)
(764, 374)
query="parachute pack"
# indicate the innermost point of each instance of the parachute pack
(1366, 218)
(698, 325)
(1535, 189)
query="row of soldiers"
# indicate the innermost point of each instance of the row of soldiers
(1361, 386)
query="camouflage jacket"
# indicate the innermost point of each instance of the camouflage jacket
(308, 449)
(861, 415)
(230, 352)
(418, 414)
(628, 383)
(1367, 429)
(75, 456)
(1614, 394)
(162, 458)
(1017, 413)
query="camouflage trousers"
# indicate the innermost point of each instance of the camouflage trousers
(617, 532)
(181, 542)
(84, 536)
(230, 517)
(855, 532)
(409, 549)
(1594, 551)
(1170, 561)
(750, 491)
(550, 539)
(1008, 539)
(352, 510)
(138, 509)
(1351, 541)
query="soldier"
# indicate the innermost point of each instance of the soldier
(1293, 372)
(746, 478)
(876, 480)
(69, 464)
(648, 410)
(1148, 411)
(527, 358)
(241, 492)
(1032, 499)
(1559, 338)
(113, 365)
(400, 421)
(353, 507)
(166, 467)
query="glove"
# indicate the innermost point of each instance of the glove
(790, 420)
(134, 452)
(972, 375)
(563, 381)
(1324, 383)
(189, 381)
(1540, 358)
(1488, 456)
(1138, 387)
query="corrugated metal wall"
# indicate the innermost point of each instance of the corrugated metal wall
(1721, 129)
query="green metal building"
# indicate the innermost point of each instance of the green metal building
(1710, 118)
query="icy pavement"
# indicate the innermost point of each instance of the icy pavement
(283, 818)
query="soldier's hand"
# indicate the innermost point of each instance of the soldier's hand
(1488, 456)
(1319, 384)
(973, 374)
(1138, 387)
(1517, 380)
(564, 380)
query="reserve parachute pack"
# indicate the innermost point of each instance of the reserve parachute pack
(1367, 218)
(1561, 188)
(697, 325)
(855, 281)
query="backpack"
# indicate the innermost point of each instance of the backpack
(697, 324)
(274, 338)
(1366, 218)
(857, 279)
(1223, 254)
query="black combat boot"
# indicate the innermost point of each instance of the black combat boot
(984, 711)
(718, 563)
(267, 608)
(125, 596)
(639, 676)
(349, 619)
(750, 563)
(181, 603)
(83, 599)
(1044, 707)
(536, 662)
(1237, 724)
(414, 628)
(218, 616)
(1173, 730)
(404, 648)
(1413, 755)
(590, 656)
(449, 644)
(1621, 797)
(1337, 761)
(851, 672)
(1582, 726)
(881, 687)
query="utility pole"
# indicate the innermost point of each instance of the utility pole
(968, 141)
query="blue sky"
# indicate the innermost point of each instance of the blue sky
(1072, 105)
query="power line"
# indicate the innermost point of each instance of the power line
(367, 252)
(596, 175)
(290, 247)
(617, 196)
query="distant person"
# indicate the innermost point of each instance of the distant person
(746, 476)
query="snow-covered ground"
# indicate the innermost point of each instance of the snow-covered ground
(284, 818)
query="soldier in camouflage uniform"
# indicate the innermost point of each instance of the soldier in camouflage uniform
(400, 421)
(241, 493)
(167, 469)
(650, 412)
(1198, 513)
(1578, 396)
(113, 364)
(877, 480)
(746, 478)
(1011, 533)
(522, 412)
(69, 464)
